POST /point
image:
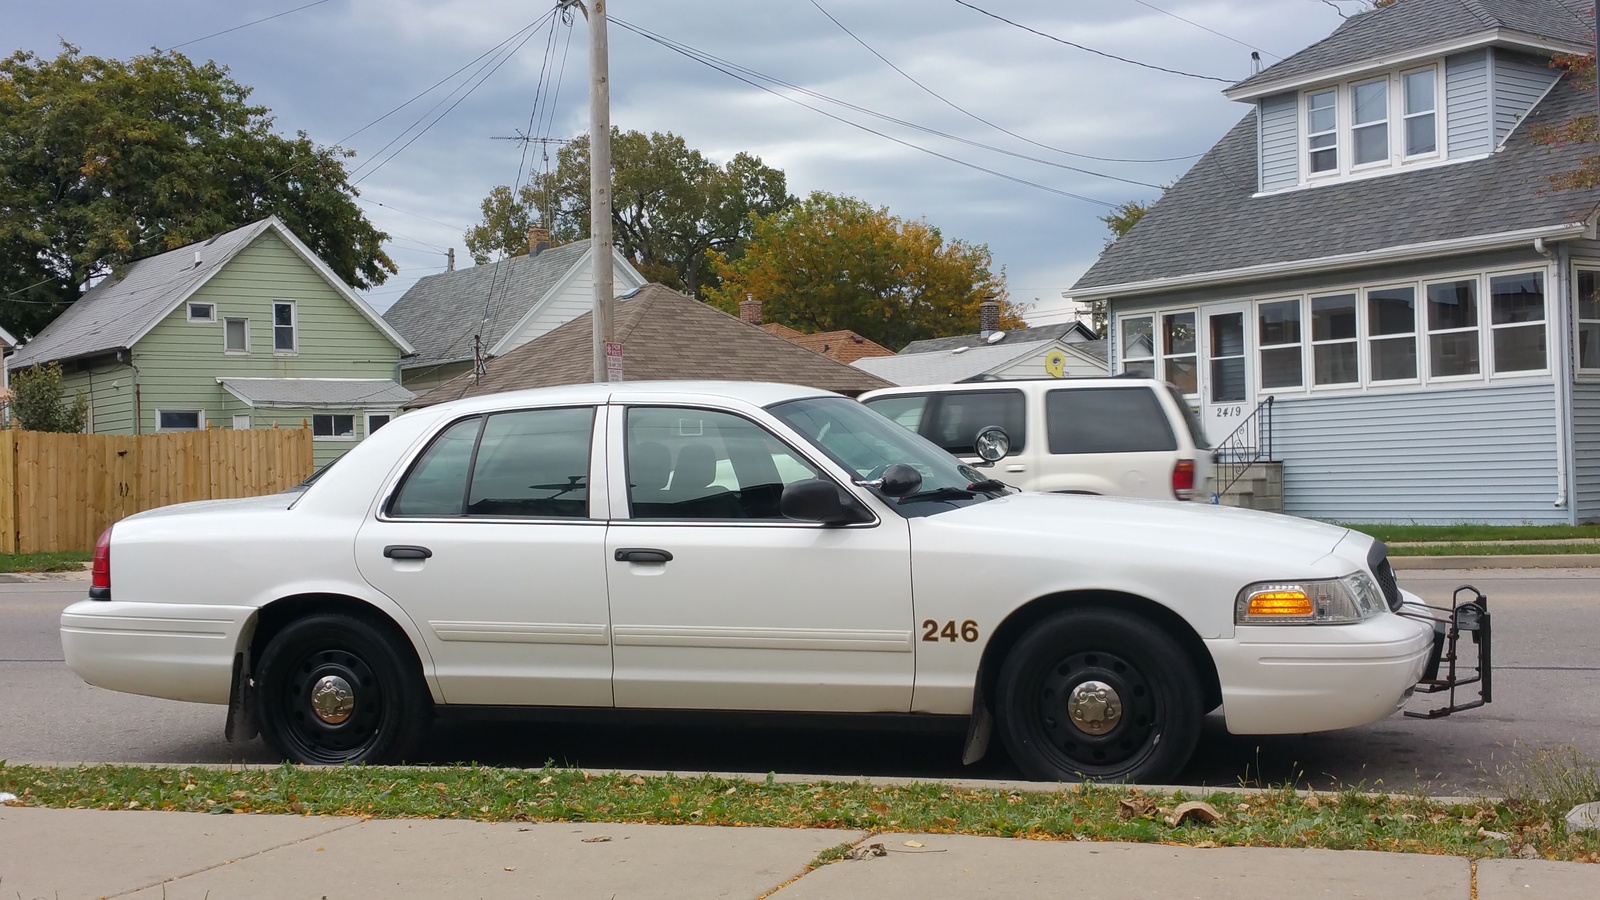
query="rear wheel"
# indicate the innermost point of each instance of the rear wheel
(333, 689)
(1099, 694)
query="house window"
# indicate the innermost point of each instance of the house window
(1334, 351)
(180, 419)
(1453, 328)
(1392, 333)
(376, 421)
(283, 328)
(1179, 359)
(1139, 346)
(1369, 128)
(1516, 322)
(1278, 323)
(1588, 319)
(236, 335)
(1420, 121)
(202, 312)
(1322, 130)
(333, 427)
(241, 423)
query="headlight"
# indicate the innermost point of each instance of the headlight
(1333, 602)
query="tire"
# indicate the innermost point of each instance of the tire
(1139, 725)
(388, 709)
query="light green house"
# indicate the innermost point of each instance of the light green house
(248, 329)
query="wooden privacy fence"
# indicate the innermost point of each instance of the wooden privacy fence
(59, 491)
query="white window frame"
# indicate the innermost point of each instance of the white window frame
(199, 414)
(1346, 127)
(1386, 123)
(1593, 269)
(366, 419)
(1368, 338)
(1306, 150)
(1486, 354)
(294, 327)
(193, 305)
(245, 418)
(334, 437)
(1428, 331)
(1262, 347)
(1312, 343)
(1437, 112)
(1122, 331)
(225, 348)
(1162, 356)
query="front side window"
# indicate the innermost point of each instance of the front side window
(1453, 328)
(1178, 356)
(1139, 346)
(533, 464)
(1369, 115)
(1106, 420)
(1334, 351)
(1322, 130)
(180, 419)
(1278, 324)
(236, 335)
(1421, 121)
(1392, 333)
(906, 410)
(333, 427)
(1516, 322)
(958, 417)
(284, 339)
(686, 463)
(1588, 319)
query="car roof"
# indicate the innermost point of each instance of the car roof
(757, 393)
(1015, 384)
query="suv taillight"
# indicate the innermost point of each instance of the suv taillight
(100, 571)
(1183, 479)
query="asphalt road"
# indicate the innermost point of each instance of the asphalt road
(1547, 695)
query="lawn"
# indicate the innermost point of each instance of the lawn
(63, 561)
(1392, 534)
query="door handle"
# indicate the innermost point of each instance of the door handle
(404, 551)
(1016, 468)
(642, 555)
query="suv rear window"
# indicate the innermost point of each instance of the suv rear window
(1107, 420)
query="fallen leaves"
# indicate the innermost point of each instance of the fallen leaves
(597, 839)
(866, 851)
(1194, 811)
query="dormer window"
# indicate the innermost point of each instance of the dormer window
(1370, 122)
(1388, 121)
(1322, 130)
(1421, 122)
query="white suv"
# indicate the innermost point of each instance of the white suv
(1122, 436)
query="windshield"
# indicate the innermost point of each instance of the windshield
(866, 443)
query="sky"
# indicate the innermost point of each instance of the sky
(985, 112)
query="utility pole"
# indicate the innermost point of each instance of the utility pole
(599, 180)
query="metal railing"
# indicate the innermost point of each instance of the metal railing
(1247, 445)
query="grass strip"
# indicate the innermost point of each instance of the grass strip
(1279, 818)
(1492, 549)
(64, 561)
(1391, 533)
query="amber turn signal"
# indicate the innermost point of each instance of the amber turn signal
(1280, 603)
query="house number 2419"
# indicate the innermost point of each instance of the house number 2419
(1229, 412)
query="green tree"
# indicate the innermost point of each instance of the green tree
(669, 206)
(39, 401)
(103, 162)
(832, 262)
(1124, 217)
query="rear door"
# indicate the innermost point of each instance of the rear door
(1109, 440)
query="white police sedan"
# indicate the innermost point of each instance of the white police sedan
(739, 547)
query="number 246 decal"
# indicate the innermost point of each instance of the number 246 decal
(966, 631)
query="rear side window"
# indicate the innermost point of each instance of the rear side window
(533, 464)
(957, 419)
(437, 484)
(1107, 420)
(905, 410)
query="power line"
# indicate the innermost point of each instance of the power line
(404, 213)
(704, 59)
(977, 117)
(1229, 37)
(245, 25)
(1131, 62)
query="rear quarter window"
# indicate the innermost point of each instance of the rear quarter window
(1107, 420)
(958, 417)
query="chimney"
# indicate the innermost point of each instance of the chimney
(988, 318)
(750, 310)
(538, 239)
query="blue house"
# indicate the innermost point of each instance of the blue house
(1377, 248)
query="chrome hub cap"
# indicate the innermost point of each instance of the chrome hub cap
(332, 699)
(1094, 707)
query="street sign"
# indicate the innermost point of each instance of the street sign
(613, 360)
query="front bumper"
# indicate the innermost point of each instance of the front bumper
(171, 650)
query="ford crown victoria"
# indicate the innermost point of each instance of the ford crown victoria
(742, 547)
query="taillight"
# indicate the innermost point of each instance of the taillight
(100, 570)
(1183, 479)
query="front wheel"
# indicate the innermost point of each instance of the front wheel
(1099, 694)
(334, 689)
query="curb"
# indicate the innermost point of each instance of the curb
(1507, 561)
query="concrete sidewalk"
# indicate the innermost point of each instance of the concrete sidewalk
(69, 854)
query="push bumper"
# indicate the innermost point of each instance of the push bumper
(1449, 668)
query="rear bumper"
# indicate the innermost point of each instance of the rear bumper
(169, 650)
(1286, 679)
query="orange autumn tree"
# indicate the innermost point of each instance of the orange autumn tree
(1581, 129)
(832, 263)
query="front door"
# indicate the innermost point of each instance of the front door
(1226, 397)
(719, 602)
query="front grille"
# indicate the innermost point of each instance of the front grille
(1391, 588)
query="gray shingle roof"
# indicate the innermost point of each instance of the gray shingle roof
(316, 392)
(947, 366)
(1020, 335)
(440, 313)
(115, 312)
(1413, 24)
(1210, 222)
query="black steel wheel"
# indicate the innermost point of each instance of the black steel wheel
(334, 689)
(1099, 694)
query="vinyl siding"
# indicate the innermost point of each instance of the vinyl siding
(1280, 141)
(424, 379)
(1466, 100)
(110, 388)
(179, 361)
(1477, 455)
(1519, 82)
(573, 297)
(1586, 451)
(1032, 366)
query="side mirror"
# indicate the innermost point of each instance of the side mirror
(816, 500)
(898, 480)
(992, 444)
